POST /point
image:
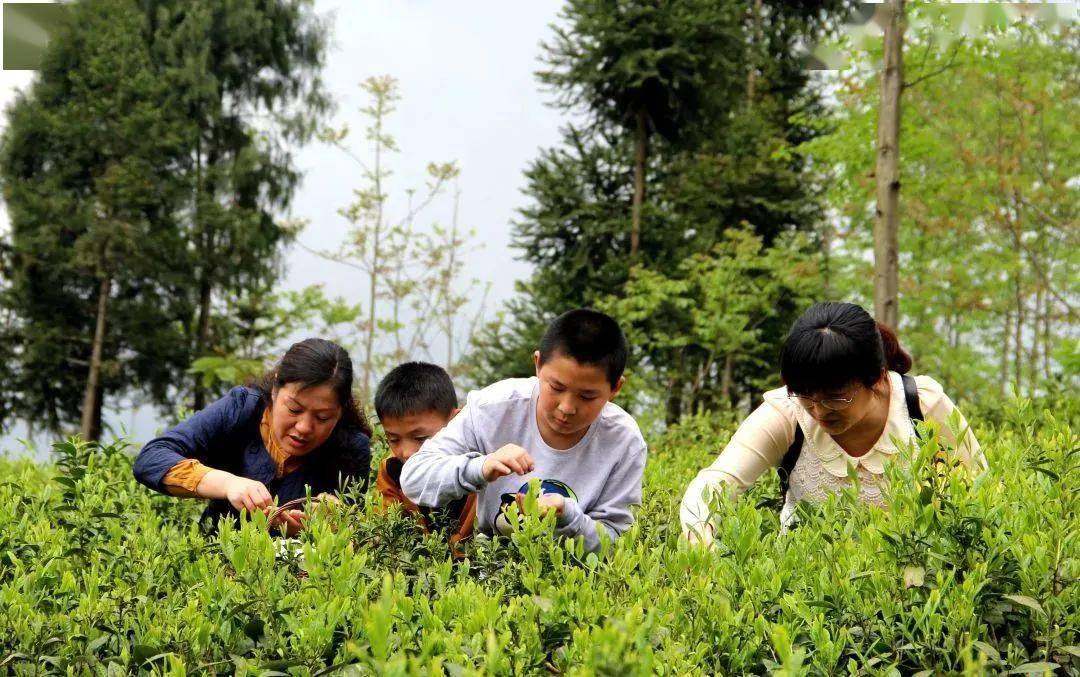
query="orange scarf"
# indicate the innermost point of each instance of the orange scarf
(283, 461)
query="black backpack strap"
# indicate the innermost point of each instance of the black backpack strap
(787, 464)
(911, 396)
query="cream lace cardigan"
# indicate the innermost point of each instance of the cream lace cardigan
(761, 441)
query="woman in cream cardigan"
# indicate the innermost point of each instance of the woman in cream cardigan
(846, 402)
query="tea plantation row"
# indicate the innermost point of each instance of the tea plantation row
(97, 575)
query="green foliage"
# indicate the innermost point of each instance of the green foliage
(720, 86)
(688, 329)
(150, 158)
(246, 76)
(616, 60)
(958, 577)
(262, 323)
(87, 162)
(988, 160)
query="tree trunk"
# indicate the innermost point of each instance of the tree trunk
(1021, 311)
(752, 66)
(1006, 330)
(202, 339)
(1018, 334)
(641, 141)
(91, 410)
(373, 276)
(674, 404)
(826, 260)
(96, 427)
(202, 326)
(1046, 338)
(1036, 340)
(727, 378)
(887, 217)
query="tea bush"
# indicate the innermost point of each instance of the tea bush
(99, 575)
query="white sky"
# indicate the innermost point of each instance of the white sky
(469, 95)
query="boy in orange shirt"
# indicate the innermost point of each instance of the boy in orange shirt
(413, 402)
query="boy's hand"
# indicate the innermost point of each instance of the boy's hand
(508, 460)
(546, 503)
(702, 534)
(247, 494)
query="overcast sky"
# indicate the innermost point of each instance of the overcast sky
(469, 95)
(468, 92)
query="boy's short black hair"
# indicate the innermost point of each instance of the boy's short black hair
(589, 337)
(413, 388)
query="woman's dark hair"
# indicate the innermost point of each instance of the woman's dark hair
(834, 344)
(316, 362)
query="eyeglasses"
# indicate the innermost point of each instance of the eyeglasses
(830, 403)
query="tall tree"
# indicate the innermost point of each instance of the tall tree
(988, 232)
(236, 88)
(247, 77)
(887, 221)
(729, 163)
(644, 66)
(88, 166)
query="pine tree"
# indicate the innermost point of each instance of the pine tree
(144, 174)
(88, 165)
(247, 77)
(725, 158)
(645, 67)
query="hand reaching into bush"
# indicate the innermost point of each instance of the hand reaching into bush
(242, 493)
(293, 520)
(545, 502)
(508, 460)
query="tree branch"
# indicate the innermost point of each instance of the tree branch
(1052, 219)
(353, 156)
(332, 257)
(939, 71)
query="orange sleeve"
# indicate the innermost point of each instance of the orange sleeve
(184, 477)
(390, 491)
(466, 522)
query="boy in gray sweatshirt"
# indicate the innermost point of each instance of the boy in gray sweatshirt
(559, 426)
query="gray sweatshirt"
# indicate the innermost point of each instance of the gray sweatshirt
(603, 470)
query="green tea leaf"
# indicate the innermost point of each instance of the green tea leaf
(987, 650)
(1026, 601)
(1033, 668)
(12, 657)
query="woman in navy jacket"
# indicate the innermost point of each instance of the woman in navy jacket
(298, 429)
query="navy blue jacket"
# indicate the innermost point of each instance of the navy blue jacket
(225, 436)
